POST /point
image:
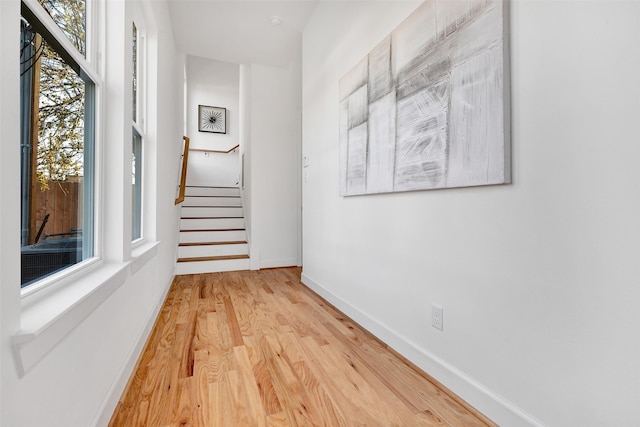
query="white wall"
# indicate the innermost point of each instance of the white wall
(538, 279)
(78, 382)
(272, 156)
(216, 84)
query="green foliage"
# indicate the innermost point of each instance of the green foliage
(70, 17)
(61, 100)
(60, 120)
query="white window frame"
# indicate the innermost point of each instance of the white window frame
(138, 123)
(88, 66)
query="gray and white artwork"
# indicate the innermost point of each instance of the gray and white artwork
(429, 106)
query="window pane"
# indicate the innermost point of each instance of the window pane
(56, 161)
(136, 182)
(135, 73)
(70, 17)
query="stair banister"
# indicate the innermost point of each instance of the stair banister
(217, 151)
(183, 175)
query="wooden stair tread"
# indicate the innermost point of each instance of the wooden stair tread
(212, 206)
(208, 186)
(212, 217)
(235, 242)
(212, 229)
(211, 197)
(213, 258)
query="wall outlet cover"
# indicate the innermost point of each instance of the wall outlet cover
(436, 317)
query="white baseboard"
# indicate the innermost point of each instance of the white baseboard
(107, 407)
(275, 263)
(489, 403)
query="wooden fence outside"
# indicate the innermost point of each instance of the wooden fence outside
(62, 201)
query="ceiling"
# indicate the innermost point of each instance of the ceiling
(240, 31)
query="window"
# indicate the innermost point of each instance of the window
(134, 70)
(97, 263)
(136, 166)
(57, 141)
(136, 182)
(70, 16)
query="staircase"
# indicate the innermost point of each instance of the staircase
(212, 231)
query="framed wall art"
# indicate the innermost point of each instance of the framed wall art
(212, 119)
(429, 106)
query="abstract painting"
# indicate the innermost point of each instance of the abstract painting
(429, 106)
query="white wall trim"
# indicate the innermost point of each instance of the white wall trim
(47, 318)
(492, 405)
(275, 263)
(108, 405)
(254, 259)
(45, 323)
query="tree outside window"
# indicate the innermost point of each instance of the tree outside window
(57, 143)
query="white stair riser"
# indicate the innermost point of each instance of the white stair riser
(206, 208)
(213, 236)
(212, 250)
(212, 266)
(212, 201)
(205, 212)
(212, 191)
(211, 223)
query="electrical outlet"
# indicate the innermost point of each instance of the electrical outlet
(436, 316)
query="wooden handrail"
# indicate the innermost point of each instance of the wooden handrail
(183, 176)
(216, 151)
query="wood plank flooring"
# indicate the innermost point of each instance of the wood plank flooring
(257, 348)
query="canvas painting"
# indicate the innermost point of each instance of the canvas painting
(429, 106)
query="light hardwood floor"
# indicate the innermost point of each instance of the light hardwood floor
(257, 348)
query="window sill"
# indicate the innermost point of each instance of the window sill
(47, 319)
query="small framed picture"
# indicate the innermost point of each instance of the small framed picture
(212, 119)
